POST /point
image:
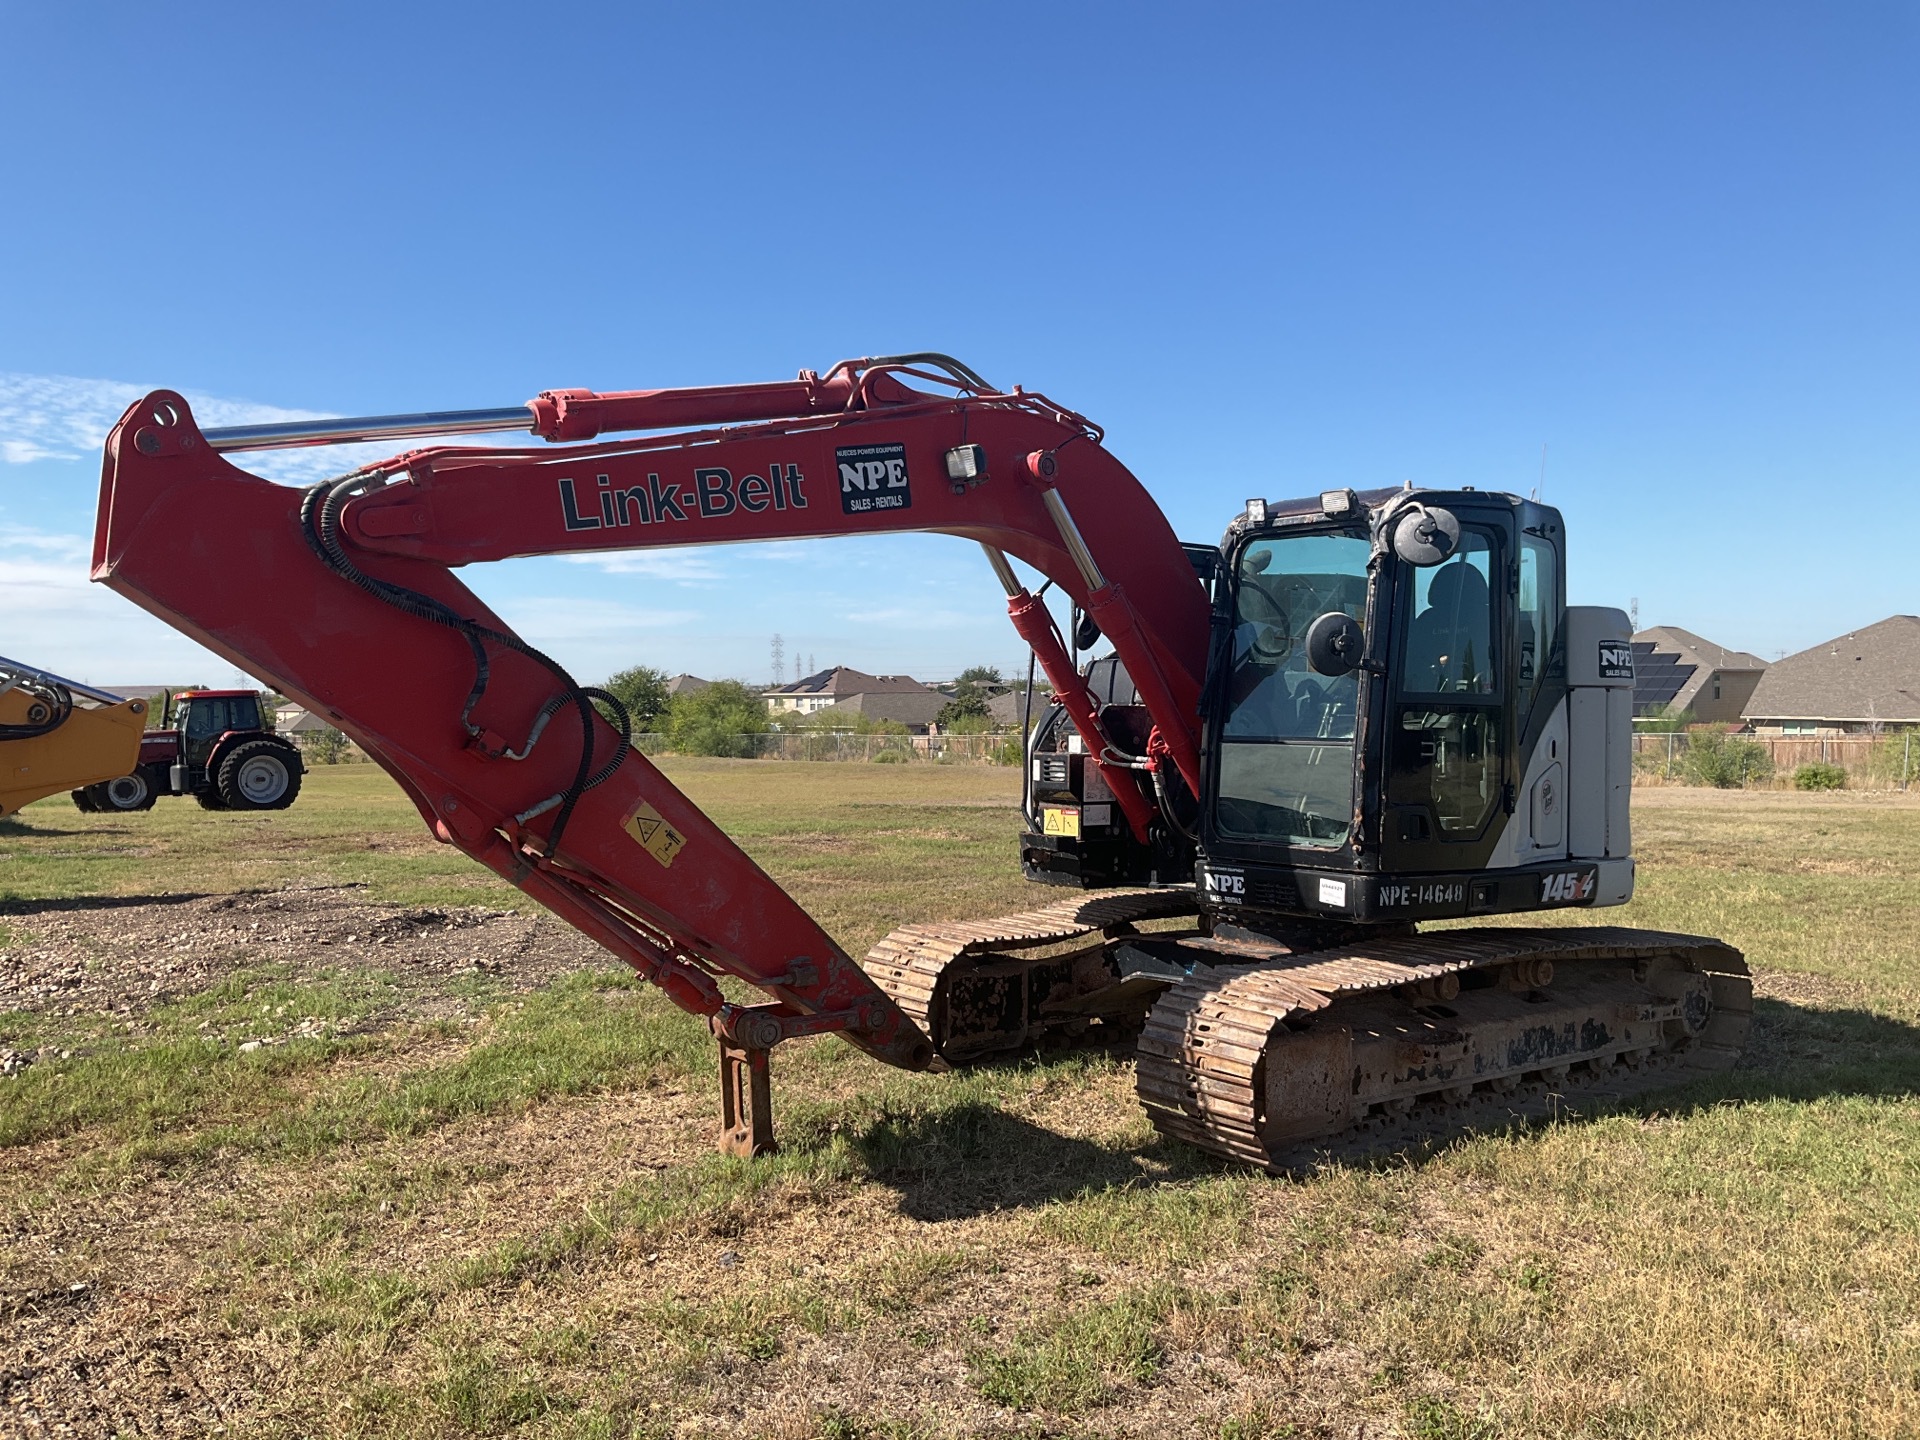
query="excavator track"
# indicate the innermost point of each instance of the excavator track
(973, 989)
(1371, 1048)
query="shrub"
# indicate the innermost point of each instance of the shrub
(719, 720)
(1820, 775)
(890, 756)
(1894, 760)
(1726, 761)
(324, 747)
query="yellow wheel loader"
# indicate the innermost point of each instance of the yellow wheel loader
(58, 735)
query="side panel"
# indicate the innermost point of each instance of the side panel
(1600, 738)
(1587, 772)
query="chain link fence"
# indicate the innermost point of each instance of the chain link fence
(983, 749)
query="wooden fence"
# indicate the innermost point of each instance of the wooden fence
(1872, 762)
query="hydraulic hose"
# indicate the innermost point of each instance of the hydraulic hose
(320, 523)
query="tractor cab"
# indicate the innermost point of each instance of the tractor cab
(203, 717)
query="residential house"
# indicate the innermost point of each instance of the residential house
(1675, 670)
(1858, 683)
(297, 720)
(684, 684)
(917, 710)
(830, 687)
(1006, 708)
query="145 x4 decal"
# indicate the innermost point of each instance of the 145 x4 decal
(1568, 887)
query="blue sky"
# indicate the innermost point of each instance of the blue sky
(1271, 248)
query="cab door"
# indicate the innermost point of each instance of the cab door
(1449, 714)
(206, 723)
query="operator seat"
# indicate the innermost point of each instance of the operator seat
(1450, 645)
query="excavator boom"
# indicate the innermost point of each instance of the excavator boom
(343, 597)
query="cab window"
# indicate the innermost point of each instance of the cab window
(1449, 648)
(207, 717)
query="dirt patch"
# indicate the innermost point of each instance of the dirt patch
(123, 956)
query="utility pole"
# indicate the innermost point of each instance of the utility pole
(779, 660)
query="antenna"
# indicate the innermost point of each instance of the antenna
(1540, 487)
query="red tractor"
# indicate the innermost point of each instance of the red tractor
(213, 745)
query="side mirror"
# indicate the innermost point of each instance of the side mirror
(1334, 644)
(1426, 535)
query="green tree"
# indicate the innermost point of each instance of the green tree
(714, 721)
(643, 690)
(968, 708)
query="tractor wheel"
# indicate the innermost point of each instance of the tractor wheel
(83, 800)
(210, 800)
(260, 775)
(123, 793)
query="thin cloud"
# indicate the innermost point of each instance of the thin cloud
(659, 565)
(59, 618)
(67, 417)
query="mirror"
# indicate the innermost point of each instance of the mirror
(1426, 535)
(1334, 644)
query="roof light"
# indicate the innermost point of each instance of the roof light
(1256, 512)
(1338, 502)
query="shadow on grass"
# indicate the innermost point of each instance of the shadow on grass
(953, 1161)
(1797, 1052)
(971, 1158)
(13, 825)
(97, 902)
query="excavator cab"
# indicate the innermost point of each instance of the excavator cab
(1403, 721)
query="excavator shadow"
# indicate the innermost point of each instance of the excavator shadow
(966, 1159)
(971, 1158)
(1805, 1052)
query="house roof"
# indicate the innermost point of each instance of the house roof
(842, 681)
(1670, 665)
(684, 684)
(292, 720)
(902, 706)
(1696, 650)
(1005, 708)
(1866, 675)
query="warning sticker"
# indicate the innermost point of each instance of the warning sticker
(656, 836)
(1058, 820)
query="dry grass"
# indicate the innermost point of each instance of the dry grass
(476, 1208)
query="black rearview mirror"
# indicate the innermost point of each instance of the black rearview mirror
(1334, 644)
(1426, 535)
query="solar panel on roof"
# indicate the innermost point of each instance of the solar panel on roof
(1658, 676)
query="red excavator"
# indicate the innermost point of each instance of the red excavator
(1358, 714)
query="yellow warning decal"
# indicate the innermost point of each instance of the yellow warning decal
(656, 836)
(1057, 820)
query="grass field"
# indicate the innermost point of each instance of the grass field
(377, 1149)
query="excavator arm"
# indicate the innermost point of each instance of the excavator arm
(343, 597)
